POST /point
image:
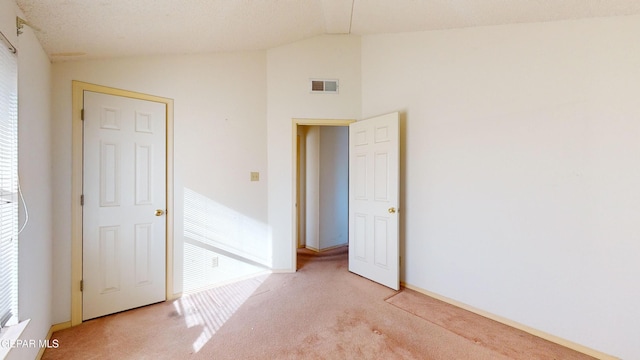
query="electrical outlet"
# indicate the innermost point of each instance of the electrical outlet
(255, 176)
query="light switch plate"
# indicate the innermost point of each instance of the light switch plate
(255, 176)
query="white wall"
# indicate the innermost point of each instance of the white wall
(327, 186)
(302, 186)
(289, 69)
(34, 166)
(312, 223)
(521, 170)
(219, 138)
(334, 186)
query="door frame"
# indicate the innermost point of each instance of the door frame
(295, 180)
(78, 89)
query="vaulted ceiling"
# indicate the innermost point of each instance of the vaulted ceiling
(85, 29)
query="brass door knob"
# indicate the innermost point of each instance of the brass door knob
(159, 212)
(392, 210)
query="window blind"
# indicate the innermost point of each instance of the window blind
(8, 183)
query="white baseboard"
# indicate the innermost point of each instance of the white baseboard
(541, 334)
(54, 328)
(283, 271)
(324, 249)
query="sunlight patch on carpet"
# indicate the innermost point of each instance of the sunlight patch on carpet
(210, 309)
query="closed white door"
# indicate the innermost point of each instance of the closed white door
(124, 192)
(374, 159)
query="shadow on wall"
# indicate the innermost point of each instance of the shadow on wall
(220, 244)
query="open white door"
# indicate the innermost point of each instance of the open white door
(374, 163)
(124, 191)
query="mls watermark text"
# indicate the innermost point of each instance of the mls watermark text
(30, 343)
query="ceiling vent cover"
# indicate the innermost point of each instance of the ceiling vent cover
(324, 86)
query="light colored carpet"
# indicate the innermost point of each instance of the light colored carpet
(491, 334)
(320, 312)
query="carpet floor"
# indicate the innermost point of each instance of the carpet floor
(320, 312)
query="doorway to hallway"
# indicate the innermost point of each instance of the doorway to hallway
(322, 191)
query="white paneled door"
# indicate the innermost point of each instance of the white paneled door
(374, 161)
(124, 191)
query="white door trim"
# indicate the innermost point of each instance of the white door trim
(294, 162)
(78, 89)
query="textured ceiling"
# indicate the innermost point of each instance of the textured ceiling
(87, 29)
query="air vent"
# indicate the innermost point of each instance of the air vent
(324, 86)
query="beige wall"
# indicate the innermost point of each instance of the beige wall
(521, 193)
(289, 69)
(520, 174)
(219, 139)
(35, 171)
(508, 182)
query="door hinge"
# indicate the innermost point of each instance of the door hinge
(82, 200)
(82, 114)
(81, 285)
